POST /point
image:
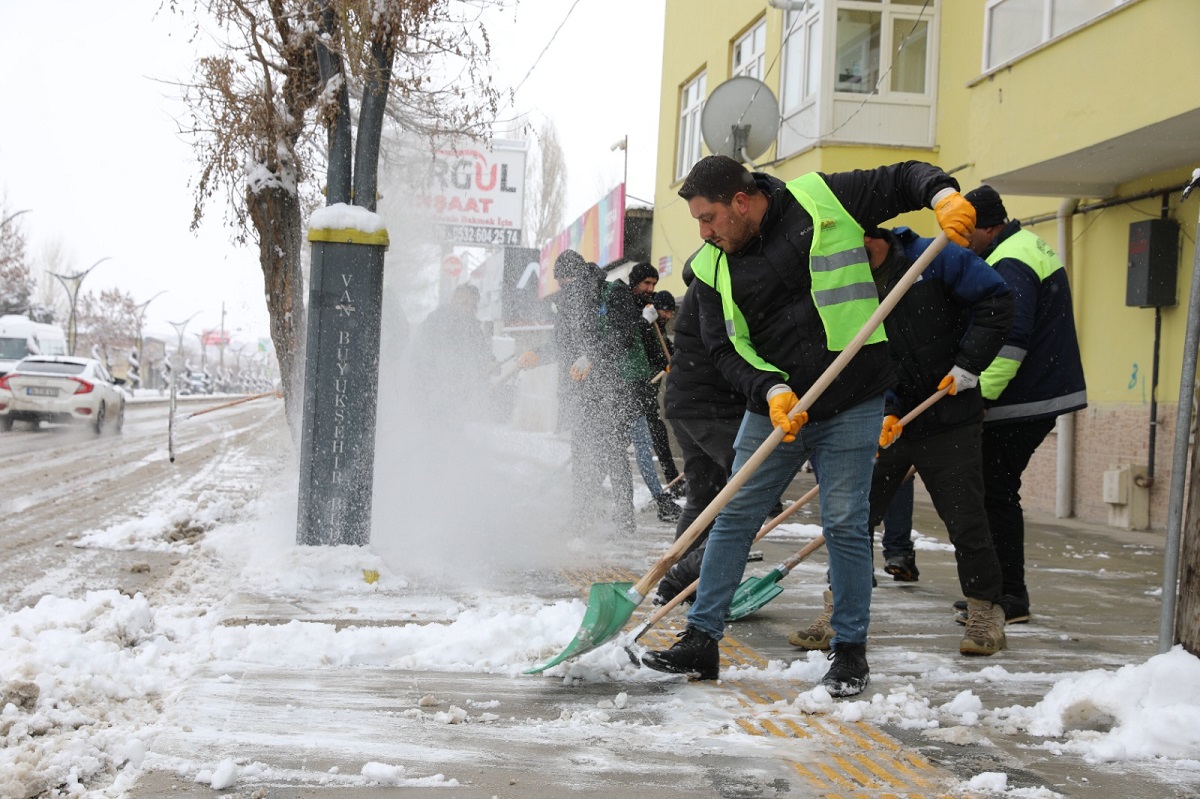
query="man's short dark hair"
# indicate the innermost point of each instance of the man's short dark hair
(717, 178)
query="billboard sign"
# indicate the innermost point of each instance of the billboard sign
(598, 235)
(520, 299)
(477, 195)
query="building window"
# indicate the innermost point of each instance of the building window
(867, 75)
(801, 56)
(749, 52)
(691, 103)
(877, 38)
(1014, 27)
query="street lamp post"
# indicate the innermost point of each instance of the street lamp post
(71, 284)
(141, 317)
(623, 146)
(179, 328)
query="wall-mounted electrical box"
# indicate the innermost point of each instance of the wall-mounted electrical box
(1128, 502)
(1153, 263)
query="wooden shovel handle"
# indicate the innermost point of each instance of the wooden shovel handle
(668, 558)
(657, 616)
(231, 403)
(809, 548)
(661, 341)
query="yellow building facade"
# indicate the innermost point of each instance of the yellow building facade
(1081, 113)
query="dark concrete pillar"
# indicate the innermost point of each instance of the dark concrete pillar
(341, 378)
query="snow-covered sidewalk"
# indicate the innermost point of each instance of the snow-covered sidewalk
(261, 663)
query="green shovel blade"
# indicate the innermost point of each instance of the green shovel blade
(753, 593)
(608, 609)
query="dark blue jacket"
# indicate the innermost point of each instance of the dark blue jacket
(958, 313)
(1049, 381)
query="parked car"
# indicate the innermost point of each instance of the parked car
(63, 389)
(21, 336)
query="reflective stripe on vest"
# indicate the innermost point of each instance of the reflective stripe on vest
(842, 286)
(1038, 256)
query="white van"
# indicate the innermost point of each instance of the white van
(21, 336)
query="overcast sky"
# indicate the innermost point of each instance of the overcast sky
(89, 144)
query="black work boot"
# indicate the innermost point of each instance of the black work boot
(695, 654)
(903, 568)
(849, 674)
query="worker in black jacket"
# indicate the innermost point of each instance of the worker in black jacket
(942, 334)
(593, 333)
(783, 286)
(705, 412)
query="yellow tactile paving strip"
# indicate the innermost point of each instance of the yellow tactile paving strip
(850, 761)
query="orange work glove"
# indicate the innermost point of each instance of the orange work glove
(528, 359)
(955, 215)
(891, 431)
(782, 399)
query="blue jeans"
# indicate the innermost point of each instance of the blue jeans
(845, 446)
(643, 454)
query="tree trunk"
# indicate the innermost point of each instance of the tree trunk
(1187, 610)
(275, 212)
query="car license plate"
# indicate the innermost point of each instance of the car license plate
(40, 391)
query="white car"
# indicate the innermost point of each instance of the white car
(61, 388)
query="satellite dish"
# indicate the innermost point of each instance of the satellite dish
(740, 119)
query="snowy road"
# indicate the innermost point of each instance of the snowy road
(61, 481)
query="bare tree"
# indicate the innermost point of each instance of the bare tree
(287, 68)
(546, 186)
(17, 285)
(107, 323)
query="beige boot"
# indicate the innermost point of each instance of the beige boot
(819, 633)
(985, 628)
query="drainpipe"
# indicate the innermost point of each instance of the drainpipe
(1064, 498)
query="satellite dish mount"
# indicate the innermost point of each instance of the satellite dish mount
(740, 119)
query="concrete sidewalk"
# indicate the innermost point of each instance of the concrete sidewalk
(1093, 606)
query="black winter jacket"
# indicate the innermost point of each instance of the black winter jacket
(957, 314)
(588, 325)
(773, 288)
(696, 389)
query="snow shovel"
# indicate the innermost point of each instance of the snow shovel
(611, 605)
(754, 592)
(658, 615)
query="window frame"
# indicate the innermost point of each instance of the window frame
(889, 13)
(755, 66)
(1046, 34)
(690, 141)
(801, 24)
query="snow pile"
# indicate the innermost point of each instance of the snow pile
(79, 685)
(1139, 712)
(341, 216)
(163, 529)
(488, 640)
